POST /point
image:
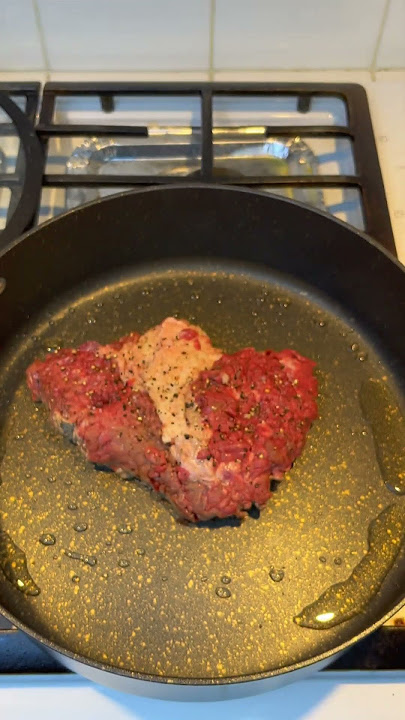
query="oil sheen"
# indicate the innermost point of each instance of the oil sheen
(345, 599)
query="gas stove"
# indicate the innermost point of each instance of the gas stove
(68, 143)
(310, 142)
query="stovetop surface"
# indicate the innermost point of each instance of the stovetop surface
(311, 142)
(83, 141)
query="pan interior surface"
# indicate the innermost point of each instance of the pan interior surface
(121, 581)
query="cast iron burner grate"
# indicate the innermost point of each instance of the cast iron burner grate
(362, 177)
(20, 179)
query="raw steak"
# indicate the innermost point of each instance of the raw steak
(207, 430)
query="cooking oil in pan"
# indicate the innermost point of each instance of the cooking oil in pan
(276, 575)
(381, 412)
(13, 563)
(223, 592)
(125, 529)
(80, 527)
(235, 633)
(344, 600)
(86, 559)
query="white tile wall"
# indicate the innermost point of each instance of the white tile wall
(200, 36)
(392, 49)
(290, 34)
(19, 41)
(126, 34)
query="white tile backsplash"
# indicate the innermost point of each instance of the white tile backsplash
(199, 38)
(392, 49)
(294, 34)
(20, 47)
(126, 34)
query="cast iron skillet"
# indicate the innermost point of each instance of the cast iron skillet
(140, 604)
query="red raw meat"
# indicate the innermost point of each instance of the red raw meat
(206, 430)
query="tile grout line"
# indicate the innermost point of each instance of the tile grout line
(175, 71)
(374, 59)
(211, 40)
(304, 71)
(41, 35)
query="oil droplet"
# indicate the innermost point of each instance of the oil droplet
(337, 561)
(123, 563)
(380, 409)
(223, 592)
(80, 527)
(395, 489)
(322, 559)
(75, 579)
(108, 543)
(362, 356)
(226, 579)
(72, 506)
(86, 559)
(67, 482)
(354, 347)
(47, 539)
(91, 320)
(27, 475)
(125, 529)
(51, 479)
(345, 599)
(13, 563)
(164, 578)
(276, 575)
(140, 551)
(322, 323)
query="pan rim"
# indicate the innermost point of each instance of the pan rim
(200, 682)
(237, 679)
(209, 186)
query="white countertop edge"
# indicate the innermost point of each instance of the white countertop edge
(341, 677)
(325, 696)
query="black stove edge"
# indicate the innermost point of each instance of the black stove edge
(383, 650)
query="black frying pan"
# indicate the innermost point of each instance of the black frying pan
(136, 596)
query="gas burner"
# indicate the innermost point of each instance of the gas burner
(241, 154)
(309, 142)
(20, 159)
(3, 162)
